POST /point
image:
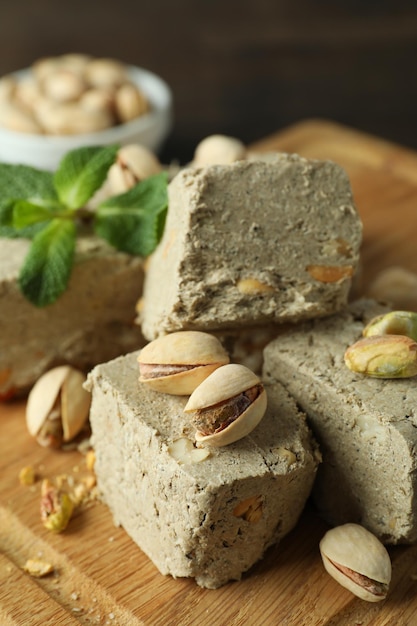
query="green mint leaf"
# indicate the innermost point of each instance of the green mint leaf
(26, 214)
(133, 222)
(81, 172)
(26, 183)
(6, 213)
(10, 230)
(47, 267)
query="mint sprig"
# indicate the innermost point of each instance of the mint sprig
(49, 207)
(81, 172)
(134, 221)
(47, 267)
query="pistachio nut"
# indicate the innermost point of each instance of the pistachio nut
(179, 362)
(133, 163)
(219, 150)
(27, 93)
(74, 61)
(44, 66)
(63, 85)
(357, 560)
(97, 98)
(56, 507)
(129, 102)
(57, 406)
(105, 72)
(71, 94)
(227, 406)
(393, 323)
(70, 119)
(383, 356)
(15, 117)
(7, 88)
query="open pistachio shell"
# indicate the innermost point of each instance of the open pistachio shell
(179, 362)
(42, 397)
(357, 560)
(59, 389)
(75, 404)
(226, 384)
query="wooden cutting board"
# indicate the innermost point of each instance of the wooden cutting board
(101, 577)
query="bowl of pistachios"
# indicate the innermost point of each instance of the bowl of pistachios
(73, 100)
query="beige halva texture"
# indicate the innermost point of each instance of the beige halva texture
(366, 427)
(92, 322)
(210, 520)
(253, 243)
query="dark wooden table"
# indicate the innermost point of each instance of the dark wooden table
(242, 67)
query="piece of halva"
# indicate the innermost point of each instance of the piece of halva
(92, 322)
(210, 519)
(252, 243)
(366, 427)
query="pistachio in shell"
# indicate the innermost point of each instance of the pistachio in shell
(357, 560)
(58, 406)
(177, 363)
(227, 406)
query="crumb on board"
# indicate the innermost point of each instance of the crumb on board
(27, 475)
(38, 568)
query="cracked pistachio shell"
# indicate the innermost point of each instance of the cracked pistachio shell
(61, 385)
(133, 163)
(357, 560)
(225, 383)
(383, 356)
(393, 323)
(177, 363)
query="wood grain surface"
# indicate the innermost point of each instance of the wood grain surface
(101, 577)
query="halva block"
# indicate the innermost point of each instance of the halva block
(366, 427)
(209, 513)
(93, 321)
(253, 243)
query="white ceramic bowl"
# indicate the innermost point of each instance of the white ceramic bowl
(150, 130)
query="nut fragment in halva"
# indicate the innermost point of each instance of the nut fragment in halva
(357, 560)
(393, 323)
(185, 453)
(227, 406)
(384, 356)
(179, 362)
(58, 406)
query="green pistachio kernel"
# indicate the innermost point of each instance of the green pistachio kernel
(393, 323)
(383, 356)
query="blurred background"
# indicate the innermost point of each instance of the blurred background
(245, 68)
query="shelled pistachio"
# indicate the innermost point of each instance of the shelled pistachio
(383, 356)
(393, 323)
